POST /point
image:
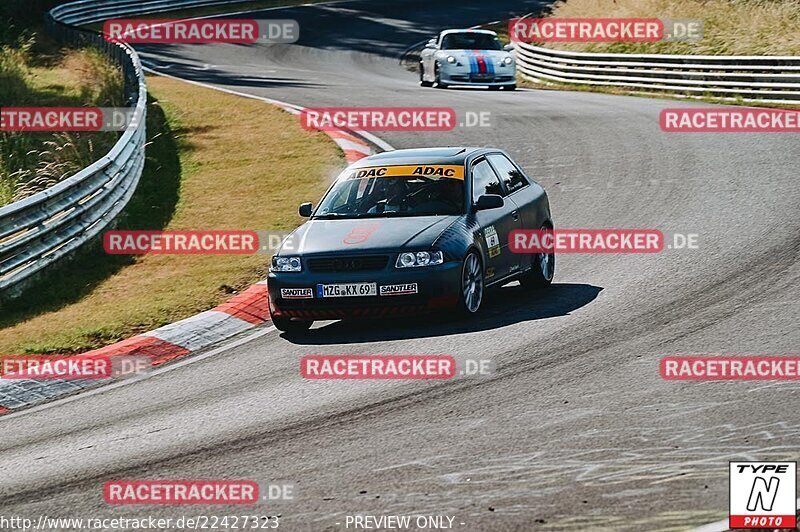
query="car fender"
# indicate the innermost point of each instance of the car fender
(456, 238)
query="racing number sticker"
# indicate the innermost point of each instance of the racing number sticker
(492, 241)
(360, 233)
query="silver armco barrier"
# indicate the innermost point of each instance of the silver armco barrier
(769, 79)
(38, 231)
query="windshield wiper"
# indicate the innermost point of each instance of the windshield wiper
(333, 215)
(404, 214)
(384, 214)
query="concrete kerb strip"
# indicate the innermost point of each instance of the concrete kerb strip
(242, 312)
(354, 143)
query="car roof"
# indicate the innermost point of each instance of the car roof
(469, 30)
(444, 155)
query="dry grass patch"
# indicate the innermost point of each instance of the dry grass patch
(731, 27)
(237, 164)
(32, 162)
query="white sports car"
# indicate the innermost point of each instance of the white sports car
(467, 57)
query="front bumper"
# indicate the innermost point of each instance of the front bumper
(437, 287)
(455, 75)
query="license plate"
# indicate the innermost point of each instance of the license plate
(482, 77)
(347, 290)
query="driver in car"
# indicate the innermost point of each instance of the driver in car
(395, 193)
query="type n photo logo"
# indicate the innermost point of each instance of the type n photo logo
(763, 495)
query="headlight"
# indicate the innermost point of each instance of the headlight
(420, 258)
(507, 60)
(451, 59)
(286, 264)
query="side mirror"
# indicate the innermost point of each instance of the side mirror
(431, 46)
(509, 47)
(489, 201)
(305, 210)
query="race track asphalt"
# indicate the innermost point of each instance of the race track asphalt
(576, 430)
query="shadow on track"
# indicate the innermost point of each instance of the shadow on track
(164, 62)
(387, 27)
(151, 208)
(508, 305)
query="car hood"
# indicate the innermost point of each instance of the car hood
(366, 234)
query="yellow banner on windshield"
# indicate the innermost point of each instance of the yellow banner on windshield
(448, 171)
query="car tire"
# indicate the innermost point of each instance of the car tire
(439, 84)
(494, 87)
(422, 81)
(288, 325)
(472, 286)
(542, 271)
(511, 87)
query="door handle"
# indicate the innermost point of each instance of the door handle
(515, 215)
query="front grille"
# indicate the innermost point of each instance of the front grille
(358, 263)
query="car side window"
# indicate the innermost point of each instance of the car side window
(512, 178)
(484, 180)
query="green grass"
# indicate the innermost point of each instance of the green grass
(199, 174)
(31, 162)
(151, 207)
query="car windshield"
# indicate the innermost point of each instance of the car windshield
(470, 41)
(389, 196)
